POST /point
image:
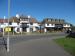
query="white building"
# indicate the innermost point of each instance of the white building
(27, 23)
(51, 24)
(30, 24)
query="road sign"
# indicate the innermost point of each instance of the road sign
(8, 29)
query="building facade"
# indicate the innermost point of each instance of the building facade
(27, 23)
(21, 23)
(51, 24)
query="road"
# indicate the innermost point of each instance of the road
(35, 45)
(19, 38)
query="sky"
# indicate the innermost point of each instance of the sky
(40, 9)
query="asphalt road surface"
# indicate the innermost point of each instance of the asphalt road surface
(19, 38)
(34, 45)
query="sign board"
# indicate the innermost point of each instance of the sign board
(7, 29)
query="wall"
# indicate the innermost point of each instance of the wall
(50, 25)
(66, 25)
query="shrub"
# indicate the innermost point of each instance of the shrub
(71, 35)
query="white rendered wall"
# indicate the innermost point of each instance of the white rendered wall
(50, 25)
(28, 29)
(24, 21)
(14, 24)
(3, 25)
(45, 30)
(6, 24)
(15, 29)
(20, 29)
(34, 29)
(66, 25)
(36, 24)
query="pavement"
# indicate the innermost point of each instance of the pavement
(38, 45)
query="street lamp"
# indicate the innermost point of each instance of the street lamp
(8, 25)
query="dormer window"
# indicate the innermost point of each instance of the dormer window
(55, 19)
(49, 20)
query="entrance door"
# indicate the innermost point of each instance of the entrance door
(24, 26)
(24, 29)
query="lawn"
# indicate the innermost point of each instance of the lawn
(68, 44)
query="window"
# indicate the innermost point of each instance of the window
(64, 24)
(49, 20)
(31, 23)
(68, 24)
(10, 23)
(52, 24)
(48, 24)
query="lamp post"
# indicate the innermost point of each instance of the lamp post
(8, 25)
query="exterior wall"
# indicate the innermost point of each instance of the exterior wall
(66, 25)
(6, 24)
(34, 29)
(3, 25)
(24, 21)
(18, 30)
(14, 24)
(28, 29)
(36, 24)
(50, 25)
(45, 30)
(33, 26)
(21, 30)
(15, 29)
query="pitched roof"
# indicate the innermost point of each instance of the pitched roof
(53, 21)
(14, 19)
(3, 20)
(31, 19)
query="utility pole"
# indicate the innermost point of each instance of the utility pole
(8, 25)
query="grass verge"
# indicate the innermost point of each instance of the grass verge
(68, 44)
